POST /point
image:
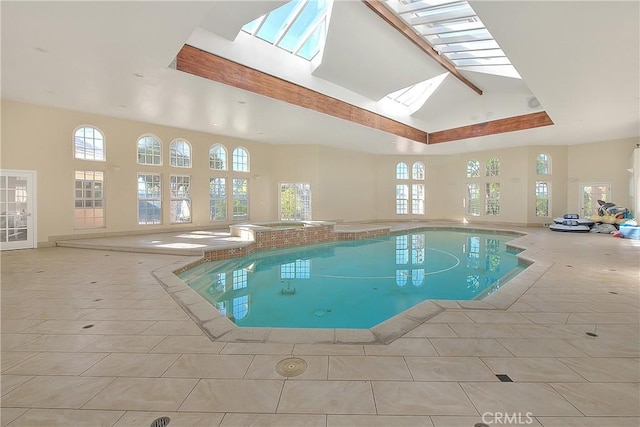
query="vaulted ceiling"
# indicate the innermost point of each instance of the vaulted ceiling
(579, 60)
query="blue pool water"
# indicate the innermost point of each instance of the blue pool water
(354, 284)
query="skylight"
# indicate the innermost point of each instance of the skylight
(299, 27)
(414, 97)
(456, 32)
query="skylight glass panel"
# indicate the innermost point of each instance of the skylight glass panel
(302, 24)
(453, 29)
(298, 27)
(275, 22)
(414, 97)
(312, 45)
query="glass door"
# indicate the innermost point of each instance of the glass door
(590, 193)
(17, 215)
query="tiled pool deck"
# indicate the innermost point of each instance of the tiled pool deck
(90, 337)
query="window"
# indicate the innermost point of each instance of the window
(180, 203)
(217, 199)
(218, 158)
(492, 198)
(240, 160)
(493, 167)
(295, 201)
(473, 199)
(88, 143)
(417, 171)
(149, 198)
(149, 151)
(89, 199)
(417, 199)
(473, 169)
(402, 199)
(543, 164)
(417, 190)
(298, 26)
(180, 154)
(240, 199)
(542, 198)
(402, 171)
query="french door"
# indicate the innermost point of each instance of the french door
(17, 209)
(590, 193)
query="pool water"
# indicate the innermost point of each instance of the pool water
(355, 284)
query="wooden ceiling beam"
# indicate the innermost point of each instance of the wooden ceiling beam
(392, 19)
(510, 124)
(213, 67)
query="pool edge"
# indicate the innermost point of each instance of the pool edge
(219, 328)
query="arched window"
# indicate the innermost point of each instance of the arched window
(402, 171)
(240, 160)
(88, 143)
(543, 164)
(180, 153)
(218, 158)
(149, 150)
(410, 196)
(417, 171)
(493, 167)
(473, 169)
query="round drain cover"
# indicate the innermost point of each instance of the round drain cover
(291, 367)
(161, 422)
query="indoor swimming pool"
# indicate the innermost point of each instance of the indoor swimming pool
(355, 284)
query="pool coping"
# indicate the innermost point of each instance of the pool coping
(219, 328)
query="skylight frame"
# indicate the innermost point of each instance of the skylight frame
(317, 25)
(455, 31)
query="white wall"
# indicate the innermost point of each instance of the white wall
(346, 185)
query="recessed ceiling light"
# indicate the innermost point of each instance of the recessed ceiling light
(122, 106)
(214, 124)
(242, 102)
(41, 49)
(138, 75)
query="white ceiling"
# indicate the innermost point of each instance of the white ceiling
(581, 59)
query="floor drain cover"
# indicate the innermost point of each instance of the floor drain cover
(291, 367)
(160, 422)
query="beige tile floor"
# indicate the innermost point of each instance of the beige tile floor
(90, 338)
